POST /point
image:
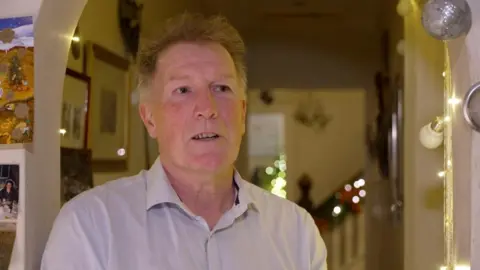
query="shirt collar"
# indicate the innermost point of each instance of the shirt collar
(159, 189)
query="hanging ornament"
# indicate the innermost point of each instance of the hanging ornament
(401, 47)
(404, 7)
(447, 19)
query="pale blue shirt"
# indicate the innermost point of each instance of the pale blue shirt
(139, 223)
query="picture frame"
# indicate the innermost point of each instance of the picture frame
(17, 68)
(75, 110)
(109, 108)
(76, 172)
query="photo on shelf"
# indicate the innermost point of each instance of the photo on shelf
(9, 196)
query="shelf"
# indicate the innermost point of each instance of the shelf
(26, 146)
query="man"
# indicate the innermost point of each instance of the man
(191, 210)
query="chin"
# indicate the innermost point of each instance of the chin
(210, 163)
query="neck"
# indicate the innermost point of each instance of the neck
(205, 194)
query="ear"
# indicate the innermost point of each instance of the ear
(244, 115)
(147, 118)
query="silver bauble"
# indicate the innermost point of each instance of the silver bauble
(447, 19)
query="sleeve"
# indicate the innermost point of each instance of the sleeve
(317, 250)
(75, 242)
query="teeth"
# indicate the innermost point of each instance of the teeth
(205, 136)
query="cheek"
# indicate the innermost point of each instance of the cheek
(233, 112)
(169, 120)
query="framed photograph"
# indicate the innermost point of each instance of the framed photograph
(16, 80)
(266, 134)
(75, 110)
(109, 109)
(9, 196)
(76, 172)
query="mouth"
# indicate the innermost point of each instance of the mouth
(206, 136)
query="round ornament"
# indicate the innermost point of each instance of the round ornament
(447, 19)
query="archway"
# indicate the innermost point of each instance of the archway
(54, 25)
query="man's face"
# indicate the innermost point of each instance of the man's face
(196, 107)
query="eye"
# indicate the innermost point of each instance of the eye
(221, 88)
(182, 90)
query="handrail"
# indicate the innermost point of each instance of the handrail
(345, 200)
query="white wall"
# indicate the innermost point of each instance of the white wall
(331, 156)
(424, 64)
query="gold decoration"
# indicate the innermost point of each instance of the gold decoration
(448, 106)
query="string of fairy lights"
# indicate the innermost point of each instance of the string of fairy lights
(278, 172)
(443, 20)
(449, 104)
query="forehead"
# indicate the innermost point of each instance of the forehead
(205, 57)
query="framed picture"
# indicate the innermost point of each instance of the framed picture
(75, 110)
(109, 109)
(16, 80)
(76, 172)
(9, 196)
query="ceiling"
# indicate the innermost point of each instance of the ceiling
(299, 17)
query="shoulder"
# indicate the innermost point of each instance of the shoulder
(99, 201)
(280, 214)
(275, 207)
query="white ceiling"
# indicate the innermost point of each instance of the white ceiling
(299, 17)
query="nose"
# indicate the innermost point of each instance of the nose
(206, 106)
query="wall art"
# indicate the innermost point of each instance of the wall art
(76, 172)
(16, 80)
(109, 109)
(75, 110)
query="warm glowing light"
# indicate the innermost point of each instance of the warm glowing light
(280, 193)
(62, 131)
(441, 174)
(443, 74)
(348, 187)
(76, 39)
(454, 101)
(449, 164)
(121, 152)
(355, 199)
(362, 193)
(337, 210)
(359, 183)
(457, 267)
(282, 165)
(278, 183)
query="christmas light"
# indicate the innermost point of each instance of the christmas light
(279, 173)
(450, 101)
(457, 267)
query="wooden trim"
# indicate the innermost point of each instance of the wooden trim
(109, 57)
(107, 165)
(95, 52)
(83, 77)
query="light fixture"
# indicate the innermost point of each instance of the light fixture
(404, 7)
(431, 135)
(457, 267)
(121, 152)
(337, 210)
(76, 39)
(401, 47)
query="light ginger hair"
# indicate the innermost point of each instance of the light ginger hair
(191, 28)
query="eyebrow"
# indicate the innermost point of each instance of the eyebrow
(185, 77)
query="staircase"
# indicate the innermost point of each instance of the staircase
(341, 222)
